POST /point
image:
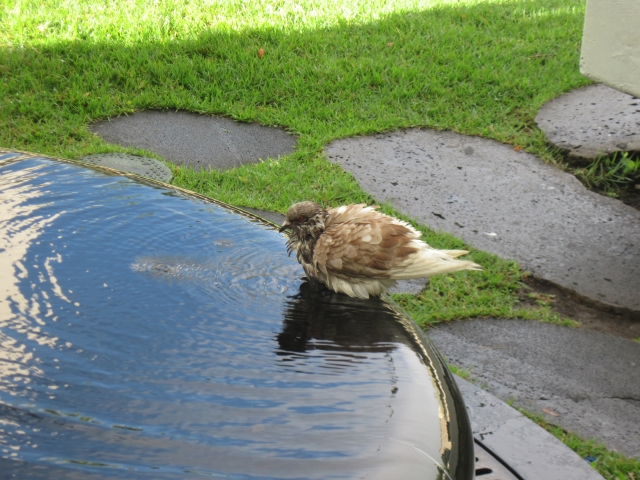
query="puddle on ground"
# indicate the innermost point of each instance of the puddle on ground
(148, 334)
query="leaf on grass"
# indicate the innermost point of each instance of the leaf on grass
(260, 53)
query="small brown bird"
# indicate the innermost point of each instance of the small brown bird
(356, 250)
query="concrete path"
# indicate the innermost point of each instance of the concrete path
(144, 166)
(584, 381)
(506, 202)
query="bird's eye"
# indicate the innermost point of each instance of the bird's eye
(300, 218)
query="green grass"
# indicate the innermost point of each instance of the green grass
(611, 174)
(481, 68)
(489, 293)
(329, 70)
(461, 372)
(610, 464)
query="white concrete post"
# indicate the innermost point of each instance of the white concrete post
(611, 44)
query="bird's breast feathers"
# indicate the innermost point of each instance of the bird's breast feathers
(358, 241)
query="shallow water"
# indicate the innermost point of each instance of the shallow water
(145, 333)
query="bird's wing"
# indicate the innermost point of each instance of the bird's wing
(354, 213)
(360, 242)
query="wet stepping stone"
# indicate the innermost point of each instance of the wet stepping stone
(145, 166)
(199, 141)
(592, 121)
(505, 202)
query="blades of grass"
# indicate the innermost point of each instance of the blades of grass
(618, 171)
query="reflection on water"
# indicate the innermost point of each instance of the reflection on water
(22, 220)
(317, 318)
(238, 271)
(147, 334)
(331, 334)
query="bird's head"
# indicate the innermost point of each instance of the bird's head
(304, 218)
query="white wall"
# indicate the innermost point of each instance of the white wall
(611, 44)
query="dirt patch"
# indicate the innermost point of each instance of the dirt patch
(631, 197)
(566, 304)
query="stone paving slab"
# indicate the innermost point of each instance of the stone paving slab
(592, 121)
(506, 202)
(199, 141)
(590, 380)
(531, 451)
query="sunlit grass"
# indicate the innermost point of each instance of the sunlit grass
(164, 20)
(474, 67)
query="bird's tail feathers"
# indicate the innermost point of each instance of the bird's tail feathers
(455, 253)
(428, 262)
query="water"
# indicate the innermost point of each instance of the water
(146, 333)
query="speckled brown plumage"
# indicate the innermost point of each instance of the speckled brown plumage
(356, 250)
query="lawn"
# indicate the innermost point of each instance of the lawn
(328, 70)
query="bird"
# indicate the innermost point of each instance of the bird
(358, 251)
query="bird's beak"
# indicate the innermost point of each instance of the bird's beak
(285, 226)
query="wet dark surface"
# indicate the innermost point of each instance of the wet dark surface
(148, 334)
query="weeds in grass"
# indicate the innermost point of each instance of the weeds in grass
(461, 372)
(611, 174)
